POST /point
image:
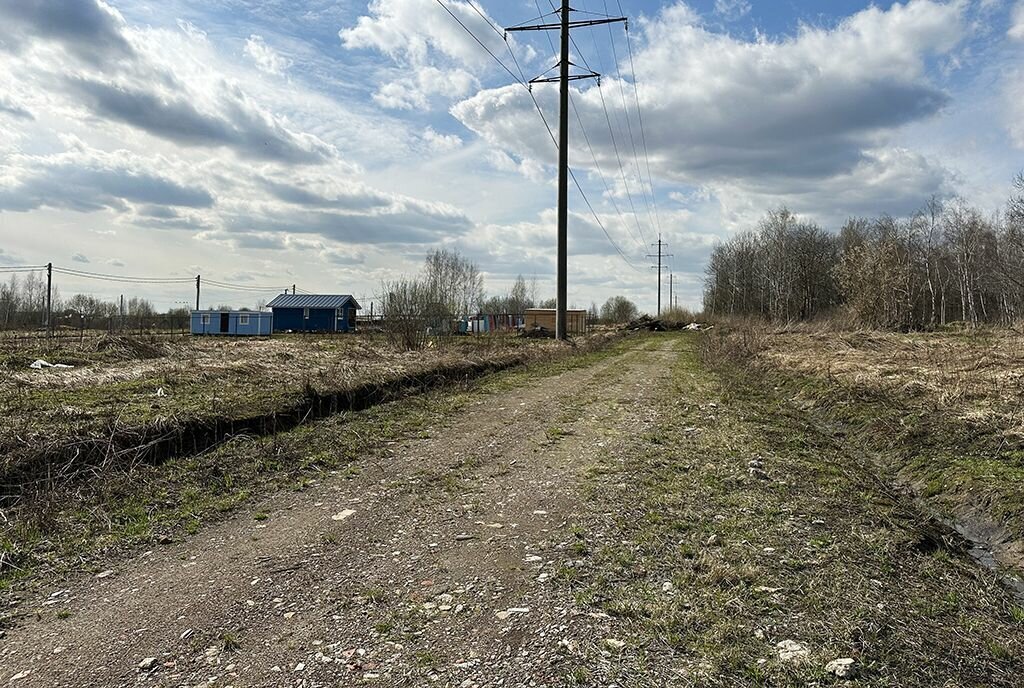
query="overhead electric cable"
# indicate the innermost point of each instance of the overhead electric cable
(522, 81)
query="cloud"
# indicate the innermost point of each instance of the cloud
(239, 125)
(16, 111)
(153, 80)
(720, 108)
(115, 262)
(732, 9)
(79, 258)
(1017, 22)
(353, 197)
(87, 180)
(441, 143)
(416, 91)
(436, 56)
(266, 58)
(9, 259)
(90, 30)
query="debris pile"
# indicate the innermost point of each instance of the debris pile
(646, 322)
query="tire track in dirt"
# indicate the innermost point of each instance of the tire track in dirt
(434, 564)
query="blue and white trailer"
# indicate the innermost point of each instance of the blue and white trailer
(233, 323)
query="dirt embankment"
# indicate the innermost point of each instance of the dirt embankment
(132, 401)
(941, 413)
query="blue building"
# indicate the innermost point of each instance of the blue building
(238, 323)
(314, 313)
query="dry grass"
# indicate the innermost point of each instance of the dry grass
(124, 395)
(942, 412)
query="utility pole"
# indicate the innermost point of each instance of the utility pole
(121, 312)
(198, 281)
(563, 27)
(671, 305)
(660, 255)
(293, 290)
(49, 299)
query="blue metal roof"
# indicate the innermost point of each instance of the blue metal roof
(313, 301)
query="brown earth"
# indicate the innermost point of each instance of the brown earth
(640, 519)
(434, 564)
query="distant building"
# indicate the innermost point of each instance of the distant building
(314, 313)
(235, 323)
(575, 320)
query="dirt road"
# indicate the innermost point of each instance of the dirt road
(436, 563)
(574, 529)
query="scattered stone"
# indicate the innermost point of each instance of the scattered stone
(758, 473)
(667, 586)
(105, 574)
(791, 651)
(844, 667)
(613, 644)
(342, 515)
(512, 610)
(20, 675)
(147, 664)
(461, 537)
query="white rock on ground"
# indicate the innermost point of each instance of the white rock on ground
(791, 651)
(148, 663)
(844, 667)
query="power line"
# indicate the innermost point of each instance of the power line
(473, 35)
(22, 268)
(120, 278)
(640, 119)
(523, 82)
(625, 112)
(611, 134)
(600, 173)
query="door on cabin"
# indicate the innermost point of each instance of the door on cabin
(225, 323)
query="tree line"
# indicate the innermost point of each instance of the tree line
(947, 262)
(23, 307)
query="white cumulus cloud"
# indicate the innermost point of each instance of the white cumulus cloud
(266, 58)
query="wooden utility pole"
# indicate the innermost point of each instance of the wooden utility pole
(660, 255)
(671, 303)
(198, 281)
(49, 299)
(563, 27)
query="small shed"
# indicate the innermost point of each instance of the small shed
(575, 320)
(235, 323)
(314, 312)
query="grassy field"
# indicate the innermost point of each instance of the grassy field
(59, 524)
(941, 413)
(743, 544)
(124, 396)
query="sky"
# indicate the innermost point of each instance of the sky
(333, 143)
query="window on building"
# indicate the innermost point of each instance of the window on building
(206, 318)
(305, 313)
(243, 319)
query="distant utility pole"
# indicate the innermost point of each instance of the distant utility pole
(49, 299)
(671, 304)
(660, 255)
(563, 80)
(198, 282)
